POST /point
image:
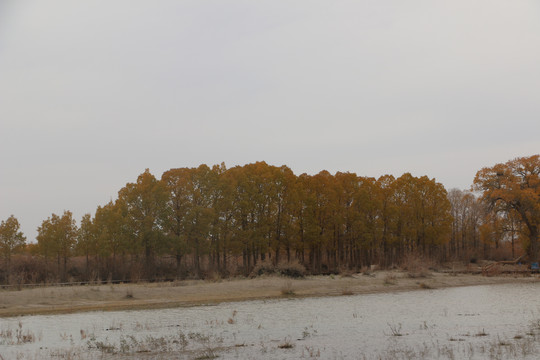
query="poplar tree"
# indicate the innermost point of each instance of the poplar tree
(12, 240)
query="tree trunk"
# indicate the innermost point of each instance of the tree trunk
(87, 266)
(65, 269)
(8, 273)
(533, 246)
(178, 263)
(225, 261)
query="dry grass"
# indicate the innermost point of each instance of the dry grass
(390, 279)
(49, 300)
(347, 291)
(129, 293)
(287, 289)
(16, 336)
(232, 319)
(395, 329)
(286, 344)
(481, 333)
(417, 266)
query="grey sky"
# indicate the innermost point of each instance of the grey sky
(94, 92)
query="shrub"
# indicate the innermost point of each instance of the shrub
(292, 269)
(346, 273)
(263, 268)
(416, 266)
(28, 269)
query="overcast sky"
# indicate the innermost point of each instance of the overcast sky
(93, 92)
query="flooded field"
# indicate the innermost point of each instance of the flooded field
(480, 322)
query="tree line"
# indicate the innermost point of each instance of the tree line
(193, 222)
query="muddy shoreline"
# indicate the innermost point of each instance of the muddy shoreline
(109, 297)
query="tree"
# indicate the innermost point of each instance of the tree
(467, 213)
(57, 236)
(319, 204)
(178, 203)
(515, 186)
(424, 218)
(86, 239)
(144, 206)
(109, 226)
(252, 211)
(200, 214)
(285, 201)
(386, 227)
(11, 240)
(513, 229)
(345, 218)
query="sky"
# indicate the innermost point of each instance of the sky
(93, 92)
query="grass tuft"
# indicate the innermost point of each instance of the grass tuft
(288, 289)
(390, 279)
(481, 333)
(286, 344)
(395, 330)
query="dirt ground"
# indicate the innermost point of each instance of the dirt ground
(66, 299)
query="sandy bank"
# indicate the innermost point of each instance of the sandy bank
(51, 300)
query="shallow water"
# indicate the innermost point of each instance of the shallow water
(494, 321)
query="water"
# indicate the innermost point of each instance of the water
(494, 321)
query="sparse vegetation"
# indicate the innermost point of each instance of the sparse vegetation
(286, 344)
(166, 294)
(481, 333)
(417, 266)
(232, 319)
(395, 329)
(423, 285)
(287, 289)
(263, 268)
(129, 294)
(347, 291)
(288, 269)
(292, 269)
(390, 279)
(206, 345)
(17, 336)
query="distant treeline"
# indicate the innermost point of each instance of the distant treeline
(200, 221)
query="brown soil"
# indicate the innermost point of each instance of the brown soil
(66, 299)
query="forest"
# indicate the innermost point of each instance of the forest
(217, 222)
